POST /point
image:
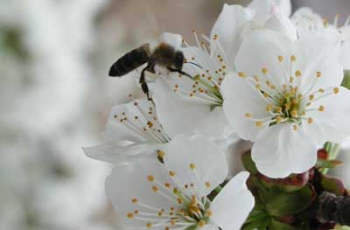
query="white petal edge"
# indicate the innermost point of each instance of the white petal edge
(233, 204)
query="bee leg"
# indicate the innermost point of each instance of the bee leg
(143, 83)
(179, 71)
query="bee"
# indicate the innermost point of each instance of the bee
(163, 55)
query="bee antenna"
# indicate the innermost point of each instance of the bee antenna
(195, 64)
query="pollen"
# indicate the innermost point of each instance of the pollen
(248, 115)
(297, 73)
(310, 120)
(336, 90)
(130, 215)
(160, 154)
(295, 128)
(155, 188)
(150, 178)
(258, 124)
(293, 58)
(172, 173)
(280, 59)
(318, 74)
(134, 200)
(321, 108)
(201, 223)
(264, 71)
(149, 225)
(207, 184)
(241, 74)
(192, 166)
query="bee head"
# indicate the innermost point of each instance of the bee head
(179, 60)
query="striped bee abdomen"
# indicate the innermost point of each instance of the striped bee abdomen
(130, 61)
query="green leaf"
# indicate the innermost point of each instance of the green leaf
(287, 204)
(276, 225)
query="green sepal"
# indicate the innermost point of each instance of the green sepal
(248, 163)
(327, 163)
(333, 185)
(287, 204)
(277, 225)
(346, 80)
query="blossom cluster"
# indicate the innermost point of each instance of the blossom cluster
(263, 75)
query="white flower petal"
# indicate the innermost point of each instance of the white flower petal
(233, 204)
(209, 164)
(279, 151)
(345, 55)
(317, 54)
(334, 120)
(282, 25)
(181, 116)
(128, 182)
(239, 99)
(115, 152)
(175, 40)
(261, 50)
(228, 28)
(264, 8)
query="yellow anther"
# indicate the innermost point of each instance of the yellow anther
(248, 115)
(256, 78)
(280, 58)
(149, 225)
(310, 120)
(321, 108)
(294, 113)
(291, 79)
(278, 109)
(258, 123)
(209, 213)
(311, 97)
(207, 184)
(293, 58)
(266, 95)
(192, 166)
(258, 86)
(279, 119)
(297, 73)
(155, 188)
(241, 74)
(264, 71)
(134, 201)
(321, 90)
(268, 108)
(130, 215)
(172, 173)
(201, 223)
(295, 128)
(318, 74)
(336, 90)
(161, 154)
(149, 124)
(150, 178)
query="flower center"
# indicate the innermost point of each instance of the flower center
(182, 208)
(287, 103)
(204, 87)
(142, 120)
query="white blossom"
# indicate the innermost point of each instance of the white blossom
(133, 129)
(287, 98)
(307, 21)
(173, 194)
